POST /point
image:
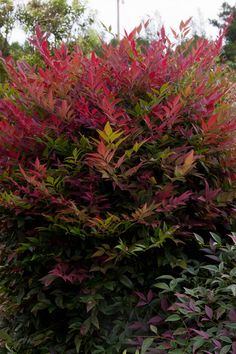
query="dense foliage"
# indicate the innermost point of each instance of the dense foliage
(109, 165)
(196, 309)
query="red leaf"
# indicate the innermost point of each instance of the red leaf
(66, 272)
(133, 170)
(101, 148)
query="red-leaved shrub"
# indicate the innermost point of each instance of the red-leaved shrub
(108, 166)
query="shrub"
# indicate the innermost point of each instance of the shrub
(193, 312)
(109, 165)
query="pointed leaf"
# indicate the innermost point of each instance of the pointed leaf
(146, 345)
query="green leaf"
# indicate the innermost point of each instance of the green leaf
(216, 237)
(232, 288)
(40, 306)
(199, 239)
(198, 343)
(211, 268)
(165, 277)
(59, 301)
(153, 329)
(110, 285)
(40, 338)
(225, 349)
(94, 320)
(221, 266)
(162, 286)
(126, 282)
(180, 331)
(225, 339)
(146, 345)
(9, 350)
(231, 326)
(5, 336)
(233, 272)
(172, 318)
(78, 342)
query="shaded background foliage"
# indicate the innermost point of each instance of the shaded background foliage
(227, 13)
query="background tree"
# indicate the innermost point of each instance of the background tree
(226, 12)
(7, 21)
(65, 22)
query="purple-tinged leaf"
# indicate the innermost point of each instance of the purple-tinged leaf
(209, 312)
(155, 320)
(214, 258)
(234, 347)
(150, 296)
(141, 303)
(203, 334)
(192, 305)
(140, 295)
(164, 304)
(232, 315)
(137, 325)
(217, 343)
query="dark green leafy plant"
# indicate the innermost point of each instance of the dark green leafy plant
(199, 311)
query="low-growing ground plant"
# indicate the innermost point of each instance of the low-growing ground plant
(109, 165)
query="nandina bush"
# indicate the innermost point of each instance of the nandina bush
(108, 166)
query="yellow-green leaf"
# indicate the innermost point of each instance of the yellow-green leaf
(108, 129)
(78, 342)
